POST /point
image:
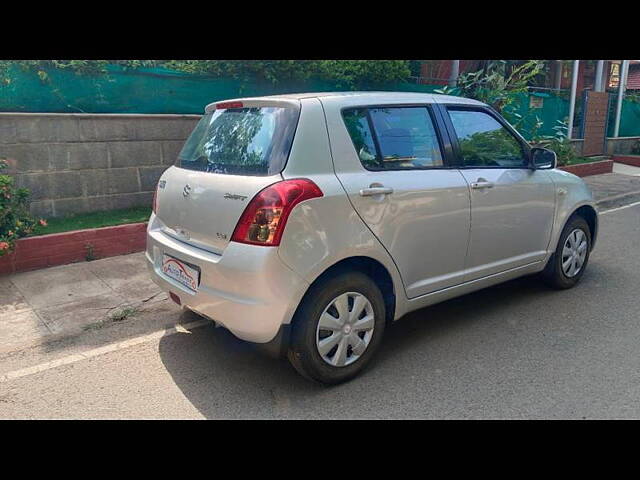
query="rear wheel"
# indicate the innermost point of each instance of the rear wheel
(569, 261)
(337, 328)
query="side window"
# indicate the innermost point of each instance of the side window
(484, 142)
(405, 136)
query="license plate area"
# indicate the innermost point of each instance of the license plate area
(184, 273)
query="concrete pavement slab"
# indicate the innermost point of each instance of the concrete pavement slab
(127, 275)
(58, 285)
(11, 300)
(626, 169)
(74, 317)
(70, 300)
(21, 329)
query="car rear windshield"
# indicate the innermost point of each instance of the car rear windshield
(241, 141)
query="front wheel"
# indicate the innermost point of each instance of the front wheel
(337, 328)
(569, 261)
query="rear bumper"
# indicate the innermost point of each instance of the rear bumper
(247, 289)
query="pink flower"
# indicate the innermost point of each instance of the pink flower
(4, 246)
(43, 222)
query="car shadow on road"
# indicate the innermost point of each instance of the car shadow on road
(224, 377)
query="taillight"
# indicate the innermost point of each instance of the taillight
(264, 219)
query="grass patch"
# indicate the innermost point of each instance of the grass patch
(116, 316)
(107, 218)
(123, 314)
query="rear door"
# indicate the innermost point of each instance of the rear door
(512, 206)
(395, 172)
(236, 150)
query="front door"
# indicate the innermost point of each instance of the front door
(512, 206)
(403, 190)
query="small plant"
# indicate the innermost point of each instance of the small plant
(447, 90)
(90, 255)
(15, 219)
(123, 314)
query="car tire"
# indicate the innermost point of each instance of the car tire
(320, 308)
(556, 274)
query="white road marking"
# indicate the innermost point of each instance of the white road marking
(620, 208)
(23, 372)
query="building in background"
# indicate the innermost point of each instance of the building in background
(633, 77)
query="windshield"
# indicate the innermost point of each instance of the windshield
(241, 141)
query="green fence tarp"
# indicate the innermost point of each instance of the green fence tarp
(158, 90)
(153, 90)
(547, 108)
(629, 117)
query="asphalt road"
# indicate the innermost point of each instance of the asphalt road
(518, 350)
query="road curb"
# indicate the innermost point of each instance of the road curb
(32, 253)
(588, 169)
(618, 200)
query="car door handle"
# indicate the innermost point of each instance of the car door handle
(480, 184)
(375, 190)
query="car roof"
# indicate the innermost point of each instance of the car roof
(350, 98)
(375, 96)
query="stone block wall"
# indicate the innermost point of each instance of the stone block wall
(623, 145)
(75, 163)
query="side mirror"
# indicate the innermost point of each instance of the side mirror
(543, 158)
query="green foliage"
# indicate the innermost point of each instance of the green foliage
(518, 121)
(40, 67)
(558, 142)
(15, 220)
(498, 82)
(351, 73)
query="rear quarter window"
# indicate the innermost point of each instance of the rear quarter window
(241, 141)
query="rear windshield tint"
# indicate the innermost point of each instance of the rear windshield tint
(241, 141)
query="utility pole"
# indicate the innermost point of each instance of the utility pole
(455, 71)
(622, 87)
(598, 79)
(572, 99)
(558, 75)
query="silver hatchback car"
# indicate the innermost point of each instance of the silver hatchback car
(309, 221)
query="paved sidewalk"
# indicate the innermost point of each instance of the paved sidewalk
(46, 305)
(626, 169)
(614, 189)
